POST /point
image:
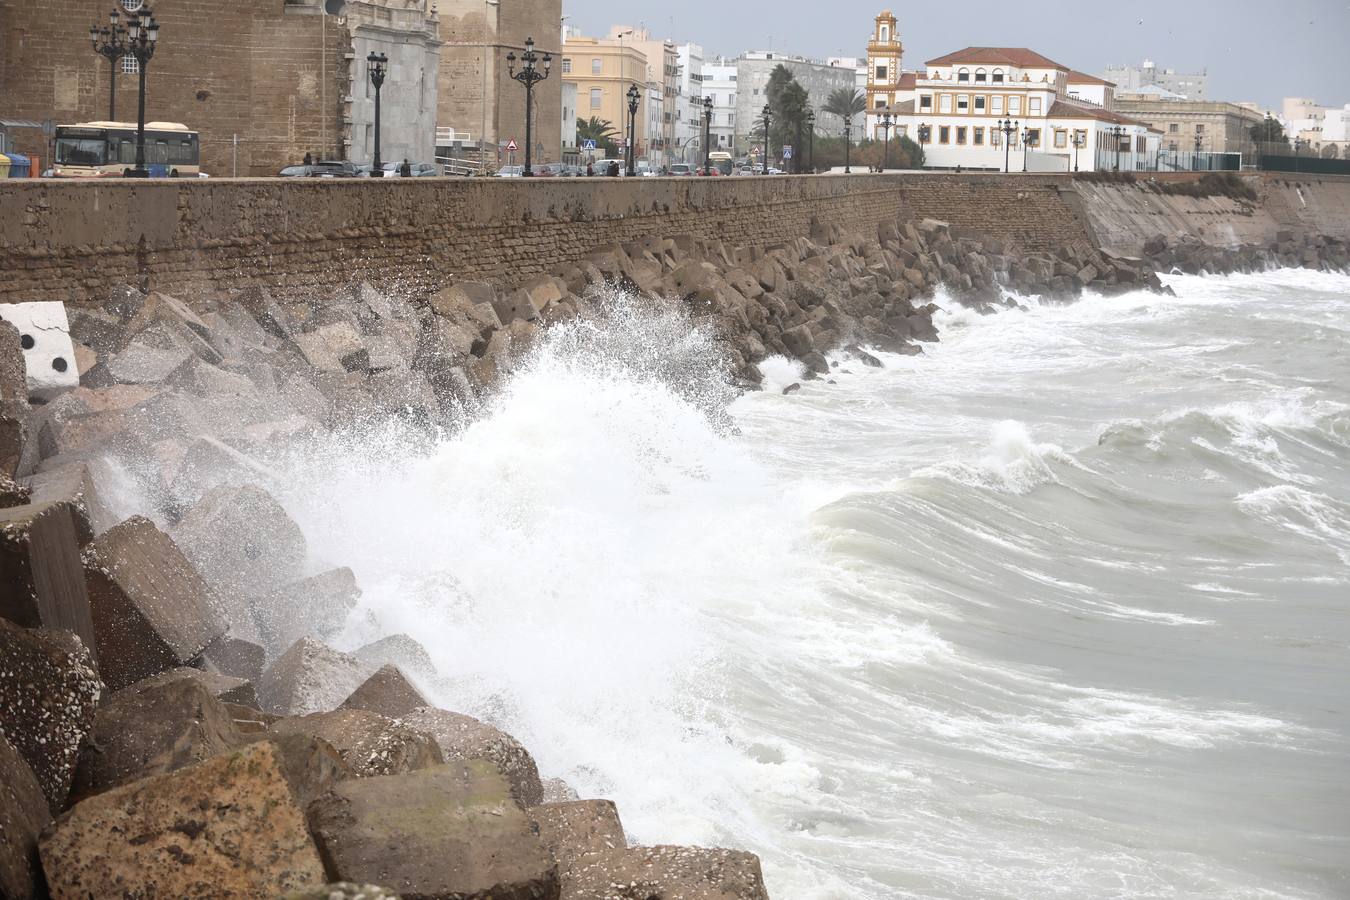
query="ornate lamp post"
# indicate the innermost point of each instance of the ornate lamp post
(1116, 133)
(533, 70)
(766, 114)
(377, 66)
(1026, 140)
(885, 127)
(811, 136)
(634, 98)
(142, 36)
(1195, 160)
(1078, 141)
(848, 143)
(707, 135)
(1009, 128)
(109, 43)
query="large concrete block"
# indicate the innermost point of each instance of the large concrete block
(463, 737)
(570, 830)
(78, 482)
(40, 568)
(49, 690)
(23, 815)
(242, 541)
(311, 607)
(226, 828)
(151, 728)
(49, 353)
(451, 831)
(13, 369)
(235, 657)
(151, 609)
(387, 692)
(310, 677)
(666, 872)
(312, 766)
(398, 650)
(368, 742)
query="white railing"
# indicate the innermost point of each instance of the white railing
(451, 165)
(446, 135)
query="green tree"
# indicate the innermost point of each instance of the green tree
(846, 103)
(1270, 131)
(912, 153)
(601, 131)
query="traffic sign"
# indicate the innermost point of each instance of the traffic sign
(511, 146)
(787, 151)
(589, 145)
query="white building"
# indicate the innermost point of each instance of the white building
(719, 82)
(960, 99)
(689, 104)
(569, 120)
(1133, 79)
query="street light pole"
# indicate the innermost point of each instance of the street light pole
(1008, 127)
(1116, 133)
(848, 143)
(1195, 160)
(885, 127)
(707, 135)
(767, 114)
(110, 44)
(532, 71)
(377, 66)
(1078, 140)
(634, 98)
(1026, 139)
(811, 136)
(142, 37)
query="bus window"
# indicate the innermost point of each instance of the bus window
(80, 151)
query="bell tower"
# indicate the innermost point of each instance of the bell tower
(884, 52)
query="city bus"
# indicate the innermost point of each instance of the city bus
(108, 149)
(721, 161)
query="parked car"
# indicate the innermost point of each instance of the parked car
(325, 169)
(510, 171)
(681, 169)
(419, 170)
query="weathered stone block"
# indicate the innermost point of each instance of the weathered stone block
(41, 570)
(311, 607)
(687, 873)
(370, 743)
(448, 832)
(572, 829)
(228, 827)
(151, 609)
(235, 657)
(49, 690)
(23, 815)
(242, 541)
(78, 483)
(399, 650)
(462, 737)
(387, 692)
(310, 677)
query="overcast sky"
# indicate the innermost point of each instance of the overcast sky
(1261, 50)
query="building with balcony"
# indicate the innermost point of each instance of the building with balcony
(603, 69)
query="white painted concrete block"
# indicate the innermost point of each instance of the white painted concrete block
(48, 351)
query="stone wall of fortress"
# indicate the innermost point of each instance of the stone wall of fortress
(73, 241)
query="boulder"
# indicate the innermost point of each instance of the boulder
(399, 650)
(13, 374)
(450, 832)
(311, 765)
(77, 481)
(309, 677)
(462, 737)
(798, 340)
(23, 815)
(151, 609)
(155, 726)
(541, 291)
(558, 791)
(242, 541)
(225, 688)
(151, 358)
(40, 568)
(687, 873)
(49, 691)
(13, 437)
(12, 493)
(570, 830)
(265, 310)
(310, 607)
(370, 743)
(234, 657)
(334, 347)
(228, 827)
(387, 692)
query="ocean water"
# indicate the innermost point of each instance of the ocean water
(1060, 608)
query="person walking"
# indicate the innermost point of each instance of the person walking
(405, 170)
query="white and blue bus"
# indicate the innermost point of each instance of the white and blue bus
(108, 149)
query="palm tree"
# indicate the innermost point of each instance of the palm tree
(601, 131)
(846, 103)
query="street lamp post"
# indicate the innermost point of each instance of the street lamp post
(848, 143)
(533, 70)
(811, 136)
(885, 127)
(1195, 160)
(142, 37)
(377, 66)
(1009, 128)
(1116, 133)
(109, 42)
(1026, 140)
(1078, 141)
(707, 135)
(767, 114)
(634, 98)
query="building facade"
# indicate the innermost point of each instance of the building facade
(476, 95)
(719, 83)
(569, 121)
(406, 32)
(1131, 79)
(603, 70)
(961, 98)
(1193, 125)
(817, 78)
(662, 70)
(884, 52)
(689, 104)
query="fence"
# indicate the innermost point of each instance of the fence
(1309, 165)
(1107, 160)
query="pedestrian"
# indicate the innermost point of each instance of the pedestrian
(309, 158)
(405, 170)
(590, 169)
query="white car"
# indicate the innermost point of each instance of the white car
(511, 172)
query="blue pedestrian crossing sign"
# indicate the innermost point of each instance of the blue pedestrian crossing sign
(787, 152)
(588, 145)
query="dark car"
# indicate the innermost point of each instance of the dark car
(325, 169)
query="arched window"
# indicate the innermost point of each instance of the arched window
(962, 74)
(885, 33)
(981, 76)
(998, 76)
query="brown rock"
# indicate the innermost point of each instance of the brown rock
(343, 890)
(75, 481)
(450, 832)
(151, 728)
(49, 690)
(311, 607)
(309, 677)
(12, 493)
(667, 873)
(558, 791)
(242, 541)
(311, 765)
(225, 688)
(13, 369)
(465, 738)
(225, 828)
(570, 830)
(370, 743)
(387, 692)
(13, 436)
(235, 657)
(399, 650)
(151, 609)
(41, 571)
(23, 815)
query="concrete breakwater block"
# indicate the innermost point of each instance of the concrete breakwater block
(462, 737)
(48, 351)
(368, 742)
(23, 815)
(41, 570)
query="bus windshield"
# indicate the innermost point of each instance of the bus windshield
(74, 151)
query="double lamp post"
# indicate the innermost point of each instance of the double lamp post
(137, 41)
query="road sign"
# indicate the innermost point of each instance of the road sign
(588, 145)
(511, 146)
(787, 152)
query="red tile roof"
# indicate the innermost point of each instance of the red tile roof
(1061, 110)
(1007, 56)
(1083, 78)
(907, 81)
